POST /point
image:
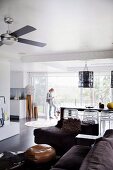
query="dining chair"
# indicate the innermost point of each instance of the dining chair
(70, 113)
(91, 116)
(105, 119)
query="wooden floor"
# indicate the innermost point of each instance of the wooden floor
(19, 142)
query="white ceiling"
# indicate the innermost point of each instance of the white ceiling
(72, 29)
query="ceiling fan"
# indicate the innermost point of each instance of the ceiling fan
(9, 37)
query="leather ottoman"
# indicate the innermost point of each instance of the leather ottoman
(41, 157)
(40, 153)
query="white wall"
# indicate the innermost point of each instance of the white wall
(5, 83)
(9, 129)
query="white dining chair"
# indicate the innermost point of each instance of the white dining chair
(70, 113)
(91, 115)
(105, 119)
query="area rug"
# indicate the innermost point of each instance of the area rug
(42, 123)
(11, 160)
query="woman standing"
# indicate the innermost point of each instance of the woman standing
(50, 101)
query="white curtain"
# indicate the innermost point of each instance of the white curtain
(40, 82)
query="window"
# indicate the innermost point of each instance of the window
(102, 88)
(65, 86)
(67, 92)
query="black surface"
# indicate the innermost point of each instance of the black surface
(84, 141)
(111, 79)
(12, 117)
(23, 31)
(30, 42)
(1, 43)
(90, 129)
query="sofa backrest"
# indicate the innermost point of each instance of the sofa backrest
(108, 133)
(100, 157)
(89, 129)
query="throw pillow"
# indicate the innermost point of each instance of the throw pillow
(108, 133)
(71, 125)
(73, 158)
(99, 157)
(59, 124)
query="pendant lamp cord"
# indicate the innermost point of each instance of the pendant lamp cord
(86, 67)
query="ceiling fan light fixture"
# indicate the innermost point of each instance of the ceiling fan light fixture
(8, 20)
(8, 39)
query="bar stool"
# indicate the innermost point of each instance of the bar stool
(70, 113)
(91, 116)
(105, 116)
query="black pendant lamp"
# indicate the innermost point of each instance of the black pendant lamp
(86, 78)
(111, 79)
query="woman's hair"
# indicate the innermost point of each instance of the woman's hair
(51, 89)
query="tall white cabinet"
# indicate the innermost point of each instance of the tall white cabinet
(18, 108)
(18, 79)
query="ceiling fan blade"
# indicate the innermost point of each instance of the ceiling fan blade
(23, 31)
(1, 43)
(30, 42)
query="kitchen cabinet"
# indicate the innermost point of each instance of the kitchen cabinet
(18, 108)
(18, 79)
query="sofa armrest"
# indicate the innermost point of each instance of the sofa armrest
(56, 137)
